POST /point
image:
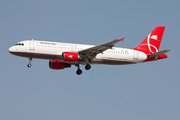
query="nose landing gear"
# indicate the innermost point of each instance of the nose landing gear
(29, 65)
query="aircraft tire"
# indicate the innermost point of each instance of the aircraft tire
(29, 65)
(88, 66)
(79, 71)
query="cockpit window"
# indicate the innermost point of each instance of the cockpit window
(20, 44)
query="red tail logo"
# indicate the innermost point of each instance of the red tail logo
(152, 42)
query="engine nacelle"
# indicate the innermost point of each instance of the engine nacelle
(58, 65)
(70, 57)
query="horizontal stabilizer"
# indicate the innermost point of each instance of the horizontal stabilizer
(158, 53)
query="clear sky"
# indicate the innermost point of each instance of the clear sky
(146, 91)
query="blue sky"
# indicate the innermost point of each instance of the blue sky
(142, 91)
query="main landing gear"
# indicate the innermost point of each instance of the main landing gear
(88, 66)
(29, 65)
(79, 71)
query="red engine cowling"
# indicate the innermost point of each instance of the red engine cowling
(58, 65)
(70, 57)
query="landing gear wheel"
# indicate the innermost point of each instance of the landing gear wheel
(88, 66)
(29, 65)
(79, 71)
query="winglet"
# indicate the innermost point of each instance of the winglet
(122, 39)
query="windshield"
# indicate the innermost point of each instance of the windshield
(20, 44)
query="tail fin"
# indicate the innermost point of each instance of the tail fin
(152, 42)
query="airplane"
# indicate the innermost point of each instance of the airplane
(63, 55)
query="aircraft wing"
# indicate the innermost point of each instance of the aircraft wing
(91, 53)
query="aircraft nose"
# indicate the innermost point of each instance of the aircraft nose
(11, 49)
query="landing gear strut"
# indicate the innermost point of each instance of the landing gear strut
(29, 65)
(79, 71)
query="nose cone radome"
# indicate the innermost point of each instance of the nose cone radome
(11, 49)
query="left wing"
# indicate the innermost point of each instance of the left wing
(91, 53)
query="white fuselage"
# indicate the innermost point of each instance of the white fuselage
(54, 50)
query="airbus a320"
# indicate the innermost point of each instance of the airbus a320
(64, 55)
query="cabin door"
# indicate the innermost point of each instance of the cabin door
(135, 55)
(31, 45)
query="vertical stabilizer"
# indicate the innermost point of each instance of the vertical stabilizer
(152, 42)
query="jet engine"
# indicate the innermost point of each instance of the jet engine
(58, 65)
(70, 57)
